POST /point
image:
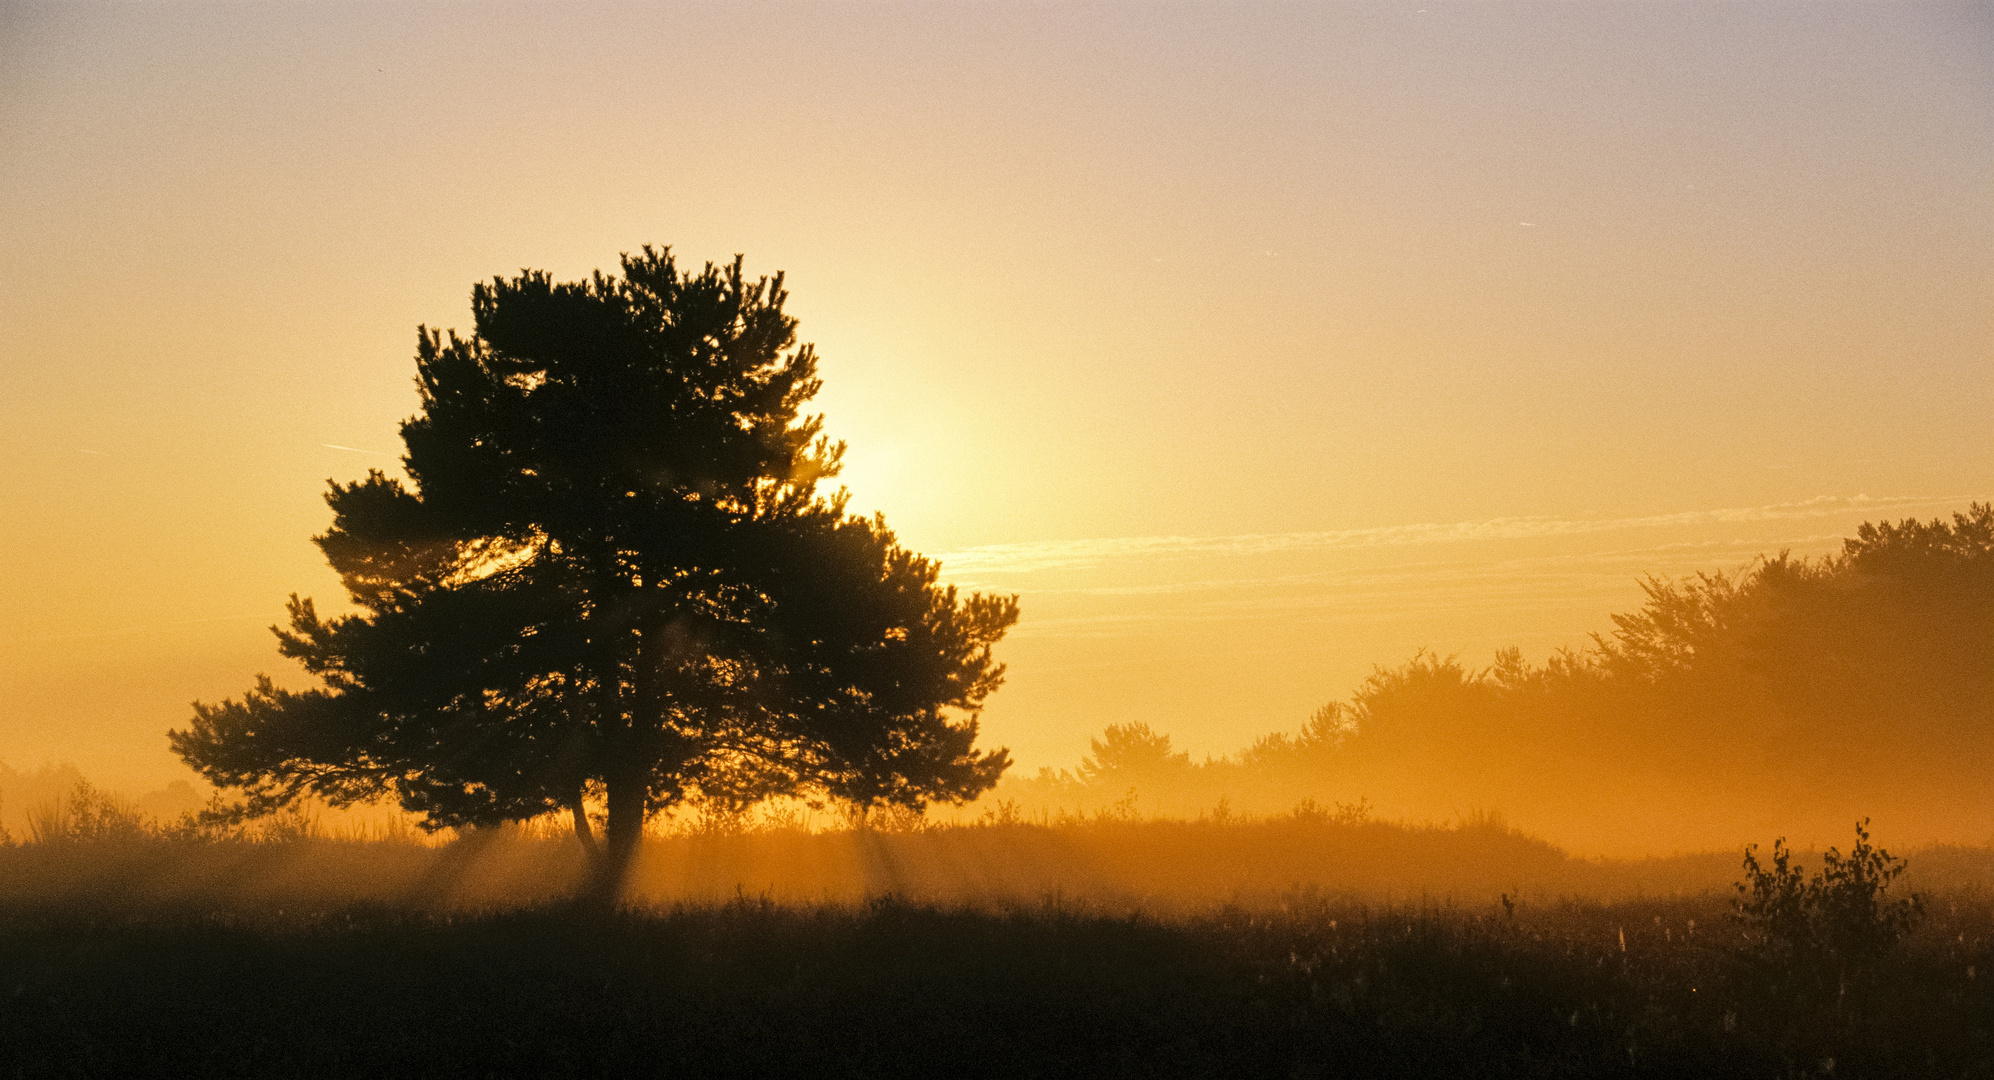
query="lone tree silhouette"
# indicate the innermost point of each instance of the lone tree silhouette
(614, 577)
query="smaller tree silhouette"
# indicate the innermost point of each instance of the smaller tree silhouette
(1132, 755)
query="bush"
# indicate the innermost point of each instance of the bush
(1820, 966)
(1844, 914)
(90, 816)
(1858, 922)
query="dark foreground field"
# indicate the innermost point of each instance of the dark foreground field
(1299, 947)
(1323, 988)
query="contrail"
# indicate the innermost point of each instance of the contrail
(354, 449)
(1056, 554)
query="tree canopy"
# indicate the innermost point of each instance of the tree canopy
(613, 574)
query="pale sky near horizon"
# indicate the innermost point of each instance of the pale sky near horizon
(1252, 344)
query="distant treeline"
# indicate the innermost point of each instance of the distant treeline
(1792, 696)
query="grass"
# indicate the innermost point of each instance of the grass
(753, 988)
(325, 957)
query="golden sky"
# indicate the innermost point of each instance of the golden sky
(1253, 344)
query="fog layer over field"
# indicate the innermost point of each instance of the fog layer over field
(1790, 697)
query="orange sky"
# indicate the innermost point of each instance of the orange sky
(1252, 344)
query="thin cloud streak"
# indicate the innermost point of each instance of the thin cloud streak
(1034, 556)
(1663, 559)
(1517, 586)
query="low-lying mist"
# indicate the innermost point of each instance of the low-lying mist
(1790, 698)
(1103, 863)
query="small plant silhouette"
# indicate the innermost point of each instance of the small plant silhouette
(89, 815)
(1809, 938)
(1774, 904)
(1844, 912)
(1859, 922)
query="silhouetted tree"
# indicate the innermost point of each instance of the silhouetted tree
(1132, 755)
(1310, 752)
(613, 575)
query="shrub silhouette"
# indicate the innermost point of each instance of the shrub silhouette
(1859, 922)
(88, 816)
(1774, 904)
(1808, 937)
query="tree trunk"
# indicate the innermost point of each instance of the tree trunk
(626, 719)
(583, 832)
(612, 858)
